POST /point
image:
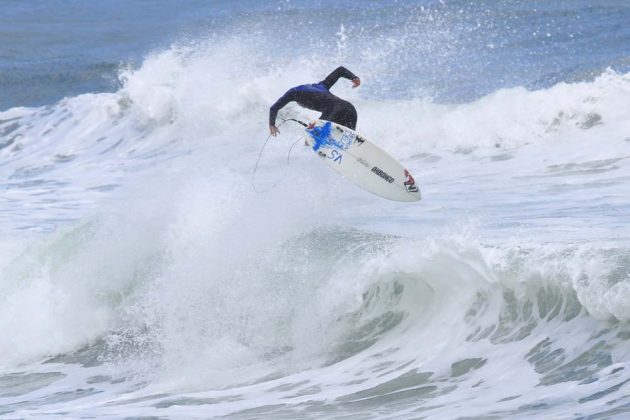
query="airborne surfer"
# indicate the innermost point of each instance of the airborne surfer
(317, 96)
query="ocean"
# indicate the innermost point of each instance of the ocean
(142, 276)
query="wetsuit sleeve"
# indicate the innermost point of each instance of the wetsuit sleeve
(332, 78)
(289, 96)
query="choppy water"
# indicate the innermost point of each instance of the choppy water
(140, 275)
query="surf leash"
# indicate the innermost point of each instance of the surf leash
(286, 167)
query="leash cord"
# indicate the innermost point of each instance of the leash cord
(286, 167)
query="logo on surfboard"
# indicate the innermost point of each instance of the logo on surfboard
(323, 138)
(387, 177)
(346, 140)
(410, 183)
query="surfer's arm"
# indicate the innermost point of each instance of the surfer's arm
(340, 71)
(289, 96)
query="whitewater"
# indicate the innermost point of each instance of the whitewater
(142, 276)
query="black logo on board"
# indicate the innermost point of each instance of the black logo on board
(378, 171)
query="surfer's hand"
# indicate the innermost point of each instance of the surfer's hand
(273, 130)
(356, 83)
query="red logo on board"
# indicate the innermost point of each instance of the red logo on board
(410, 183)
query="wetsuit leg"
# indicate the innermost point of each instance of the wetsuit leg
(343, 113)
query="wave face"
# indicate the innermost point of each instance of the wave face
(141, 275)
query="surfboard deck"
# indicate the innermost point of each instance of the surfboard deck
(363, 162)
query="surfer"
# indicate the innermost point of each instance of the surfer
(317, 96)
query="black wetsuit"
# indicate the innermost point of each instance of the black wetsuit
(318, 98)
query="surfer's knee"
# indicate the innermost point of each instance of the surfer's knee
(350, 115)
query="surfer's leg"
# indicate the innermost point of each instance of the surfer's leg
(328, 114)
(345, 114)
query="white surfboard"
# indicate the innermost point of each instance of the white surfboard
(366, 164)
